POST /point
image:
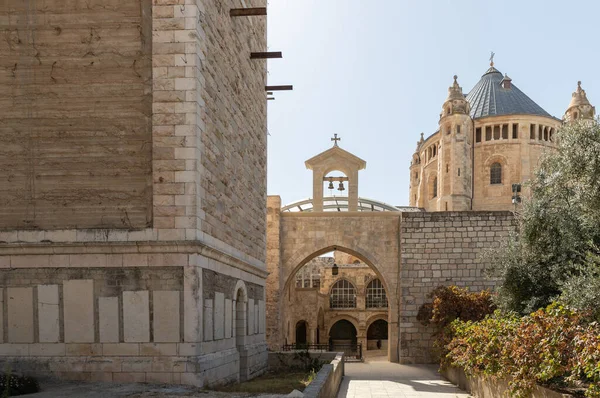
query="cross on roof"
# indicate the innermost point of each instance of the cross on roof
(335, 139)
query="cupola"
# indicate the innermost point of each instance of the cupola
(579, 107)
(456, 101)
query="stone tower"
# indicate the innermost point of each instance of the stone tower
(455, 161)
(580, 107)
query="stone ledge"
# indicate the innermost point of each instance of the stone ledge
(485, 388)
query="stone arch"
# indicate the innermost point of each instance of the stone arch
(348, 318)
(305, 254)
(302, 328)
(374, 318)
(240, 296)
(432, 185)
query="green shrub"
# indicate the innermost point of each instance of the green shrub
(12, 385)
(550, 346)
(450, 303)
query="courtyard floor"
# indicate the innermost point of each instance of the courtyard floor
(378, 378)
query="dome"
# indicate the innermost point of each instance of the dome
(491, 96)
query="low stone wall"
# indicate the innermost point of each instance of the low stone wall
(327, 382)
(484, 388)
(290, 359)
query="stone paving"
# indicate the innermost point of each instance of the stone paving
(378, 378)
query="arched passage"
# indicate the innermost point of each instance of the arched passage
(241, 299)
(301, 332)
(337, 297)
(377, 335)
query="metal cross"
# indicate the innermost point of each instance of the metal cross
(335, 139)
(492, 58)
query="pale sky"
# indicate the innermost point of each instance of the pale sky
(377, 72)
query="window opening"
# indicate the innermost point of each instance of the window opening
(488, 133)
(343, 295)
(478, 134)
(496, 173)
(496, 132)
(515, 132)
(505, 131)
(376, 296)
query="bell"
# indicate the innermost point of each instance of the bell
(341, 187)
(330, 184)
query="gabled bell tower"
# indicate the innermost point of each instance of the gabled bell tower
(335, 158)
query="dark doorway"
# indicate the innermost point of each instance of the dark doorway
(342, 337)
(301, 329)
(377, 335)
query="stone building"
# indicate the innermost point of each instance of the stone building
(460, 194)
(487, 141)
(405, 252)
(133, 190)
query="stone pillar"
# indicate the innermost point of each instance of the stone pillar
(352, 191)
(274, 286)
(317, 190)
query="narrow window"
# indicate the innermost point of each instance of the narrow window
(575, 115)
(457, 129)
(488, 133)
(515, 132)
(478, 134)
(551, 134)
(446, 206)
(448, 129)
(540, 130)
(532, 131)
(505, 131)
(545, 133)
(496, 173)
(434, 151)
(434, 187)
(447, 168)
(496, 132)
(459, 172)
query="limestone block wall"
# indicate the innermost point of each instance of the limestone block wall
(131, 317)
(442, 248)
(75, 105)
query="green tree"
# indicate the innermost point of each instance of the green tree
(555, 251)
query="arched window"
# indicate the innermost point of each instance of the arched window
(376, 297)
(343, 295)
(435, 184)
(496, 173)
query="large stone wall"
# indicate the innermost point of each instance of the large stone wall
(205, 151)
(234, 140)
(442, 248)
(412, 253)
(76, 109)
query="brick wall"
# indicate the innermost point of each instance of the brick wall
(75, 110)
(442, 249)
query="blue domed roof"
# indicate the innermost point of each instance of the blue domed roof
(490, 98)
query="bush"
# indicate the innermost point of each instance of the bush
(551, 346)
(450, 303)
(12, 385)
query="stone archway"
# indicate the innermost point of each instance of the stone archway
(301, 333)
(368, 260)
(240, 324)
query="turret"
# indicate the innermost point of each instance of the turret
(416, 176)
(455, 162)
(580, 107)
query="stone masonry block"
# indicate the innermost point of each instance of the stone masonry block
(78, 299)
(48, 316)
(219, 319)
(166, 316)
(136, 316)
(108, 312)
(20, 314)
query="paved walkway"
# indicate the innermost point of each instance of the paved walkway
(379, 378)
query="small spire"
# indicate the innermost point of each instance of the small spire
(579, 89)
